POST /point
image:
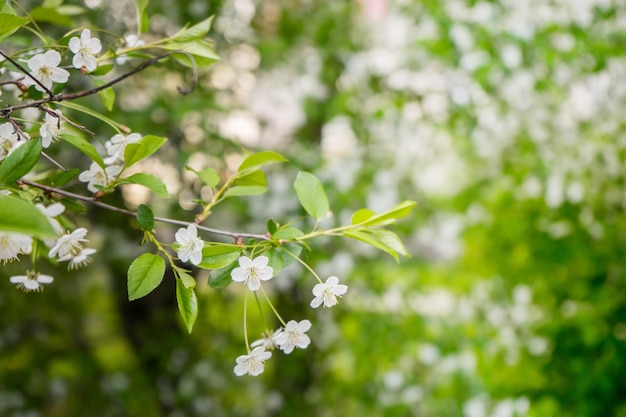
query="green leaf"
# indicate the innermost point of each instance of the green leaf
(245, 191)
(391, 240)
(20, 216)
(260, 159)
(219, 256)
(144, 275)
(148, 145)
(311, 195)
(201, 50)
(251, 178)
(187, 304)
(272, 226)
(107, 95)
(187, 280)
(9, 23)
(209, 176)
(401, 210)
(101, 70)
(279, 258)
(361, 215)
(85, 147)
(220, 278)
(60, 178)
(142, 18)
(149, 181)
(20, 161)
(199, 30)
(288, 233)
(50, 15)
(145, 217)
(372, 240)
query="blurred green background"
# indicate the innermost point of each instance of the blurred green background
(504, 120)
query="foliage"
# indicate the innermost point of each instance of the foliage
(503, 120)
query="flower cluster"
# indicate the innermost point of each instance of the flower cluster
(287, 339)
(68, 246)
(98, 176)
(251, 272)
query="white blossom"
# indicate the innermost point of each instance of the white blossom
(78, 258)
(190, 244)
(13, 244)
(117, 145)
(254, 363)
(252, 271)
(31, 281)
(85, 50)
(293, 336)
(50, 129)
(268, 341)
(69, 243)
(130, 41)
(328, 292)
(52, 211)
(98, 176)
(8, 139)
(43, 67)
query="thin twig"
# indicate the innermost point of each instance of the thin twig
(91, 200)
(25, 71)
(65, 97)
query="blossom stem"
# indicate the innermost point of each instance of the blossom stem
(91, 200)
(245, 323)
(272, 307)
(303, 264)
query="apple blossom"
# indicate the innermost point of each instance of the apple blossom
(268, 340)
(252, 271)
(293, 336)
(85, 50)
(98, 176)
(69, 243)
(117, 145)
(13, 244)
(44, 68)
(31, 281)
(190, 244)
(50, 129)
(8, 139)
(254, 363)
(328, 292)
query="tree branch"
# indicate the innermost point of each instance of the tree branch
(91, 200)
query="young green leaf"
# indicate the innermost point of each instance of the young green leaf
(148, 145)
(209, 176)
(288, 233)
(260, 159)
(20, 216)
(220, 278)
(401, 210)
(20, 161)
(142, 18)
(372, 240)
(391, 240)
(279, 258)
(187, 280)
(245, 191)
(60, 178)
(9, 23)
(272, 226)
(107, 95)
(197, 31)
(144, 275)
(187, 304)
(85, 147)
(311, 195)
(219, 256)
(149, 181)
(145, 217)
